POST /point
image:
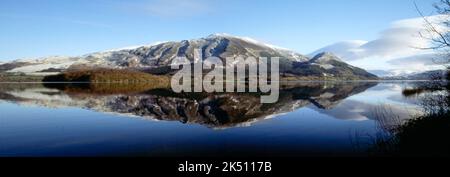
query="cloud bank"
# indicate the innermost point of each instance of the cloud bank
(398, 49)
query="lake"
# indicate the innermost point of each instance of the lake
(310, 119)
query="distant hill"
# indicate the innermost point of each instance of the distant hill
(427, 75)
(327, 65)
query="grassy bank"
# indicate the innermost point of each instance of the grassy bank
(107, 76)
(16, 77)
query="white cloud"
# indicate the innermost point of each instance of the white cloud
(397, 48)
(424, 59)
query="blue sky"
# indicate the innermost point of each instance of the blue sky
(37, 28)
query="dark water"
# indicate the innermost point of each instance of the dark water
(310, 119)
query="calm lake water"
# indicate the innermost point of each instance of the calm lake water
(310, 119)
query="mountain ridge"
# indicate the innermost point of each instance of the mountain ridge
(439, 74)
(159, 56)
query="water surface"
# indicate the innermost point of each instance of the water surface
(310, 119)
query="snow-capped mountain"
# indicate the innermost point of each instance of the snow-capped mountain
(159, 56)
(427, 75)
(328, 65)
(344, 49)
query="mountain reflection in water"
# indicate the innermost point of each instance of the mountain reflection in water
(309, 118)
(218, 110)
(215, 110)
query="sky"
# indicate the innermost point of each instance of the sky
(398, 50)
(38, 28)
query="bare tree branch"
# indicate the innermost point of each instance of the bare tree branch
(442, 40)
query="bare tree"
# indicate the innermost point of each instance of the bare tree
(438, 31)
(440, 37)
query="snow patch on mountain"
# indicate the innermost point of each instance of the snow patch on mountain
(133, 47)
(249, 40)
(41, 67)
(324, 66)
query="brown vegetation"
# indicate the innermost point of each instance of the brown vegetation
(18, 77)
(106, 76)
(89, 89)
(107, 81)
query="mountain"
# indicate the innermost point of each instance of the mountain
(382, 73)
(329, 66)
(427, 75)
(341, 49)
(157, 58)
